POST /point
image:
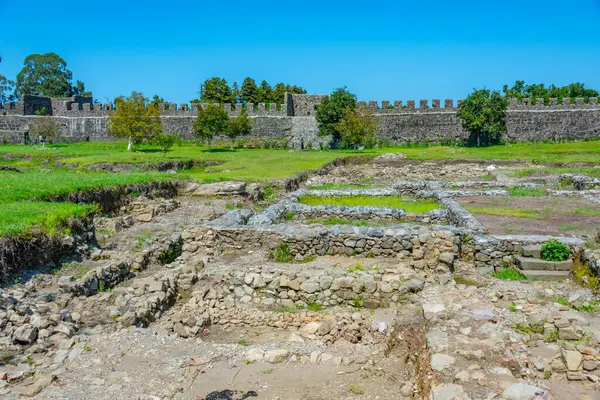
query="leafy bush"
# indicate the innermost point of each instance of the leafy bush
(553, 250)
(166, 141)
(358, 129)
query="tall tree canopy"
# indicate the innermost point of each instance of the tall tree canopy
(135, 119)
(216, 90)
(212, 120)
(6, 88)
(47, 75)
(332, 110)
(249, 92)
(483, 115)
(537, 91)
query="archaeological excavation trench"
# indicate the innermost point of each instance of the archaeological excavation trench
(365, 279)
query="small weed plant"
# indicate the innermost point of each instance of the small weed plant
(358, 302)
(282, 253)
(357, 268)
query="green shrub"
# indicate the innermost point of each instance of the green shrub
(553, 250)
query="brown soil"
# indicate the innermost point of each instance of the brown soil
(558, 217)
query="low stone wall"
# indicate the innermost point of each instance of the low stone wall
(115, 272)
(580, 182)
(422, 246)
(215, 305)
(289, 286)
(302, 213)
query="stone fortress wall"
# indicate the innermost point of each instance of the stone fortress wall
(294, 120)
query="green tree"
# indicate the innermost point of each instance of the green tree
(240, 125)
(331, 111)
(483, 115)
(79, 90)
(166, 141)
(156, 100)
(235, 92)
(46, 75)
(265, 92)
(44, 125)
(249, 92)
(357, 129)
(216, 90)
(280, 89)
(6, 88)
(211, 121)
(135, 119)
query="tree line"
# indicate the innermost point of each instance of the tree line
(137, 119)
(217, 90)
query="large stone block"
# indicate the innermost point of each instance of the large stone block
(529, 263)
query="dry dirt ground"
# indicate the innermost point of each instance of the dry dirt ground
(470, 340)
(559, 216)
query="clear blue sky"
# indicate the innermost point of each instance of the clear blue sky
(380, 50)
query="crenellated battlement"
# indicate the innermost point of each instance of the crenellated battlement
(399, 107)
(295, 106)
(449, 105)
(84, 107)
(566, 103)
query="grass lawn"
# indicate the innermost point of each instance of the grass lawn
(410, 205)
(339, 221)
(67, 162)
(18, 217)
(39, 185)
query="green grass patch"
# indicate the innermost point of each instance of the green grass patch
(410, 205)
(591, 211)
(314, 307)
(356, 268)
(509, 274)
(529, 328)
(18, 217)
(505, 212)
(567, 228)
(589, 171)
(333, 186)
(340, 221)
(524, 191)
(35, 184)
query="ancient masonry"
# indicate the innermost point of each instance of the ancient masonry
(82, 120)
